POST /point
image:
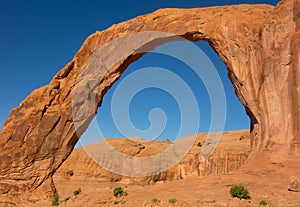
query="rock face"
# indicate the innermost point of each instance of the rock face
(258, 43)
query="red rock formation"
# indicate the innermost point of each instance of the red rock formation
(81, 170)
(259, 45)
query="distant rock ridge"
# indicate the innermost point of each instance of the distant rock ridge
(258, 43)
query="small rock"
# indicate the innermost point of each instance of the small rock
(294, 184)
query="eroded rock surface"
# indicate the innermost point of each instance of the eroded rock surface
(80, 170)
(259, 45)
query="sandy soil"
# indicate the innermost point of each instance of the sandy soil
(264, 180)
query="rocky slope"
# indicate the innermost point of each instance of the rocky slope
(80, 170)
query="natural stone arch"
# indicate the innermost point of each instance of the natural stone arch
(258, 44)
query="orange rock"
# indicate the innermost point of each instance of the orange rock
(294, 184)
(259, 45)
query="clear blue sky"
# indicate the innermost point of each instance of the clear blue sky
(39, 37)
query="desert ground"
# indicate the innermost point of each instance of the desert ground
(263, 181)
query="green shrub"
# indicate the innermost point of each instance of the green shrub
(172, 200)
(6, 205)
(263, 203)
(199, 144)
(266, 203)
(55, 199)
(155, 200)
(119, 191)
(77, 192)
(239, 191)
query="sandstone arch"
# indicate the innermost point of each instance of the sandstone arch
(259, 45)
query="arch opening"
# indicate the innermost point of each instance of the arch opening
(149, 75)
(147, 99)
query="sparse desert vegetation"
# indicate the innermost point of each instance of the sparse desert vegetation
(199, 190)
(119, 191)
(266, 203)
(55, 199)
(239, 191)
(172, 200)
(263, 203)
(77, 192)
(155, 200)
